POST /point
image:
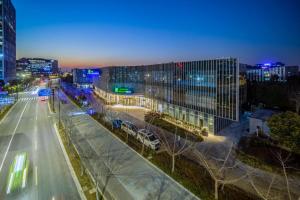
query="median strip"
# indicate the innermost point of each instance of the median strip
(82, 181)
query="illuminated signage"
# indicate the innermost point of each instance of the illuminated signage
(123, 90)
(44, 92)
(93, 72)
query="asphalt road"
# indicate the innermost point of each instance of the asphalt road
(29, 128)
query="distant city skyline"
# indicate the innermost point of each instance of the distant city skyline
(102, 33)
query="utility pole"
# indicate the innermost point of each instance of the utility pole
(17, 93)
(59, 101)
(53, 100)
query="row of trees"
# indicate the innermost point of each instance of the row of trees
(285, 128)
(271, 94)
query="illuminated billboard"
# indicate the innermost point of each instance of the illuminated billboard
(93, 72)
(123, 90)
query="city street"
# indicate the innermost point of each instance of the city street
(29, 128)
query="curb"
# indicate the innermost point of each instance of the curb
(75, 179)
(51, 112)
(4, 117)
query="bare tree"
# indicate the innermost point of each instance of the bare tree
(147, 128)
(283, 163)
(176, 146)
(219, 168)
(110, 116)
(109, 165)
(274, 190)
(263, 192)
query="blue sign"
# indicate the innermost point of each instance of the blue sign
(6, 101)
(44, 92)
(93, 72)
(3, 94)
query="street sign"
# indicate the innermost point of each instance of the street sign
(44, 92)
(123, 90)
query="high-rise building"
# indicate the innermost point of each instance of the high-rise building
(200, 94)
(83, 78)
(7, 40)
(37, 66)
(271, 72)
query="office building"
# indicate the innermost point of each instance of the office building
(7, 41)
(198, 94)
(271, 72)
(83, 78)
(37, 67)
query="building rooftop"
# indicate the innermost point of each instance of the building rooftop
(263, 114)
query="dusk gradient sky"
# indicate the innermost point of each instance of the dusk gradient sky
(130, 32)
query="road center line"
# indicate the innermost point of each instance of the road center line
(11, 139)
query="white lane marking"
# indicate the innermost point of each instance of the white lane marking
(36, 175)
(11, 139)
(36, 112)
(50, 108)
(35, 145)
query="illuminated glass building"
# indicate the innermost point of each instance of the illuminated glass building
(271, 71)
(37, 66)
(7, 41)
(83, 78)
(200, 94)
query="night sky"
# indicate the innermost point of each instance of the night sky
(130, 32)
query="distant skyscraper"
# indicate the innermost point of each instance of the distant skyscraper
(271, 72)
(37, 66)
(7, 40)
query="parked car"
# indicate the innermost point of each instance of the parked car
(117, 123)
(148, 139)
(129, 128)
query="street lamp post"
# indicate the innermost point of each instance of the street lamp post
(58, 101)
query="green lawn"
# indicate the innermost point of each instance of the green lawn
(159, 122)
(4, 111)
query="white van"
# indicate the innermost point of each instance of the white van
(129, 128)
(148, 139)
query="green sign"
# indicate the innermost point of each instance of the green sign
(123, 90)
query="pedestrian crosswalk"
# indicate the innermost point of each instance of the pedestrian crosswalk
(28, 99)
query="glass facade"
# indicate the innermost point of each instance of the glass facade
(200, 93)
(84, 77)
(37, 66)
(271, 71)
(7, 41)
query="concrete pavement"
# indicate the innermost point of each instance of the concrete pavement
(29, 128)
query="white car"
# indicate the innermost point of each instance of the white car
(148, 139)
(129, 128)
